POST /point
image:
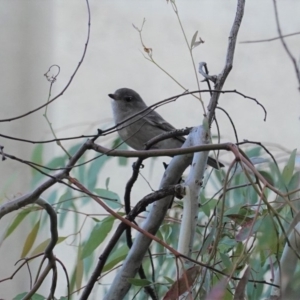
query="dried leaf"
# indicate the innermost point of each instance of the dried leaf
(240, 289)
(184, 283)
(30, 239)
(218, 291)
(194, 39)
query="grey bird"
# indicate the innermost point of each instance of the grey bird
(145, 126)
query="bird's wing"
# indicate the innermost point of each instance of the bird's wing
(156, 119)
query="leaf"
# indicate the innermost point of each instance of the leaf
(226, 244)
(42, 246)
(74, 148)
(37, 157)
(57, 162)
(255, 151)
(18, 219)
(34, 297)
(107, 183)
(234, 209)
(37, 154)
(293, 224)
(139, 282)
(218, 291)
(169, 279)
(52, 197)
(245, 231)
(197, 44)
(97, 236)
(79, 272)
(119, 144)
(267, 176)
(255, 160)
(63, 205)
(288, 170)
(30, 239)
(94, 170)
(207, 242)
(226, 261)
(268, 237)
(183, 284)
(110, 198)
(88, 265)
(240, 289)
(116, 257)
(194, 39)
(294, 182)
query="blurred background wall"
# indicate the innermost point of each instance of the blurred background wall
(36, 34)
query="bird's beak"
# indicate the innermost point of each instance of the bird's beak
(112, 96)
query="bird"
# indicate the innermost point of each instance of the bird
(137, 131)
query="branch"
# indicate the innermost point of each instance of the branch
(33, 196)
(140, 207)
(154, 219)
(193, 185)
(287, 265)
(120, 285)
(292, 58)
(157, 152)
(228, 62)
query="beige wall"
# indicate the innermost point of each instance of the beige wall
(36, 34)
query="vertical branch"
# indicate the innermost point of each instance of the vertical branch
(229, 60)
(120, 285)
(286, 48)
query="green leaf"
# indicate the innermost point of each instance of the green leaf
(253, 152)
(57, 162)
(79, 272)
(98, 235)
(118, 143)
(207, 242)
(37, 154)
(42, 246)
(117, 256)
(74, 148)
(52, 197)
(267, 176)
(30, 239)
(34, 297)
(226, 244)
(65, 202)
(139, 282)
(110, 198)
(18, 219)
(171, 281)
(288, 170)
(94, 170)
(37, 157)
(294, 182)
(205, 208)
(268, 237)
(226, 260)
(234, 209)
(88, 265)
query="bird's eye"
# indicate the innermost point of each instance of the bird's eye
(128, 98)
